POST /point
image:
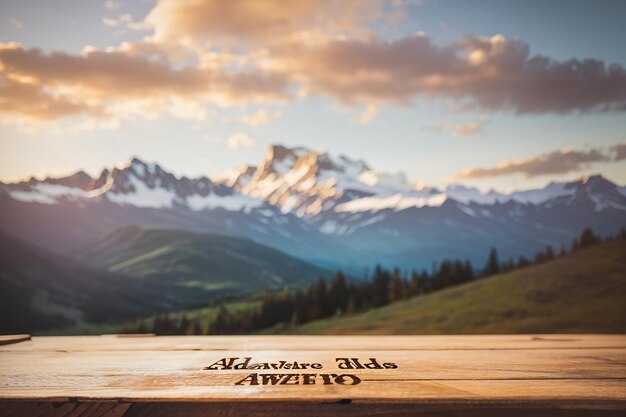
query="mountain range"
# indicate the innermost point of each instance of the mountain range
(332, 211)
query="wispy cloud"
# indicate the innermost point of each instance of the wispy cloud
(16, 23)
(462, 129)
(367, 115)
(124, 22)
(119, 21)
(240, 140)
(619, 151)
(112, 4)
(560, 161)
(262, 117)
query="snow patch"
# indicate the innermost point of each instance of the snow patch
(31, 197)
(144, 196)
(467, 210)
(396, 202)
(44, 193)
(139, 169)
(552, 190)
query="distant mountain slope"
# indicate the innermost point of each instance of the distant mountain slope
(203, 262)
(582, 292)
(314, 205)
(65, 214)
(41, 290)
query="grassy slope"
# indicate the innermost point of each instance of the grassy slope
(203, 315)
(582, 292)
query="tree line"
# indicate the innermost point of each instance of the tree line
(323, 299)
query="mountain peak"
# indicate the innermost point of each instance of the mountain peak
(279, 160)
(280, 152)
(141, 168)
(596, 180)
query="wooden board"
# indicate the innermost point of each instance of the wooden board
(324, 375)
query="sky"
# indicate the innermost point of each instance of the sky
(494, 94)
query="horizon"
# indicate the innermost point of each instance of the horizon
(126, 163)
(513, 98)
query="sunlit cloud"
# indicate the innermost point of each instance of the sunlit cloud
(462, 129)
(26, 100)
(209, 21)
(557, 162)
(47, 86)
(214, 53)
(493, 74)
(367, 115)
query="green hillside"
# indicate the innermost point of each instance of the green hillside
(205, 263)
(42, 290)
(581, 292)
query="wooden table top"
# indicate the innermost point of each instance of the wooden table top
(324, 375)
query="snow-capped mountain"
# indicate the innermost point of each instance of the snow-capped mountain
(64, 213)
(137, 184)
(327, 209)
(307, 183)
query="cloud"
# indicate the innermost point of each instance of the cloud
(262, 117)
(29, 101)
(619, 151)
(122, 78)
(462, 129)
(492, 74)
(16, 23)
(556, 162)
(367, 115)
(237, 52)
(112, 5)
(125, 21)
(110, 21)
(120, 21)
(240, 140)
(255, 21)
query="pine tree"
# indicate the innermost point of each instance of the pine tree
(183, 325)
(338, 293)
(493, 265)
(396, 289)
(588, 238)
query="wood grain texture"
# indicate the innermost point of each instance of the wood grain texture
(435, 375)
(482, 342)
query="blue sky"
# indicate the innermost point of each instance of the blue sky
(433, 134)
